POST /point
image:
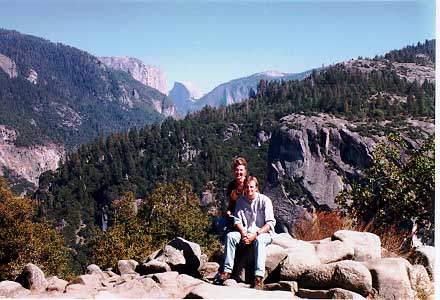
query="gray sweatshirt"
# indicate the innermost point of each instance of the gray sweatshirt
(254, 214)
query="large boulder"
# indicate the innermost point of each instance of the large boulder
(301, 256)
(173, 257)
(274, 256)
(56, 284)
(335, 293)
(138, 288)
(192, 254)
(366, 245)
(153, 266)
(209, 270)
(391, 278)
(209, 291)
(284, 240)
(12, 289)
(348, 275)
(32, 278)
(424, 255)
(332, 251)
(175, 285)
(127, 266)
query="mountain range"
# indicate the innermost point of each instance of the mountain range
(228, 93)
(57, 97)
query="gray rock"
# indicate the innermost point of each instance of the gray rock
(366, 245)
(391, 278)
(153, 266)
(192, 254)
(12, 289)
(92, 269)
(56, 284)
(209, 270)
(77, 291)
(338, 293)
(147, 74)
(127, 266)
(424, 255)
(209, 291)
(313, 294)
(88, 280)
(105, 295)
(274, 256)
(299, 259)
(138, 288)
(290, 286)
(284, 240)
(332, 251)
(349, 275)
(32, 278)
(353, 276)
(153, 255)
(173, 257)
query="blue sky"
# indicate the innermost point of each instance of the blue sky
(211, 42)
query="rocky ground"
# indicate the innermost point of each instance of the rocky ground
(348, 265)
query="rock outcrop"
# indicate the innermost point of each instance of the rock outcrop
(8, 66)
(423, 69)
(28, 163)
(310, 158)
(374, 278)
(149, 75)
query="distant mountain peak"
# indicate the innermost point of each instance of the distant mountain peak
(194, 92)
(272, 73)
(149, 75)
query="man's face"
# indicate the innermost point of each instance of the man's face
(240, 172)
(250, 189)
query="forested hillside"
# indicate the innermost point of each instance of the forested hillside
(199, 148)
(53, 92)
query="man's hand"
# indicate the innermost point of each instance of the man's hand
(248, 238)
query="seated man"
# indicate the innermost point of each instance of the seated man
(255, 222)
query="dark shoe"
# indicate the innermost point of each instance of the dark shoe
(222, 278)
(258, 283)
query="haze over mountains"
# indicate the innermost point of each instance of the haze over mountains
(186, 96)
(227, 93)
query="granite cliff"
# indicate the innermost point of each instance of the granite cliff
(184, 95)
(149, 75)
(310, 159)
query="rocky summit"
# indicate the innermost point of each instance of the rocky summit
(347, 265)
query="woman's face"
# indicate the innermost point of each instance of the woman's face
(240, 172)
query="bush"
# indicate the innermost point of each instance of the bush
(320, 225)
(23, 240)
(173, 210)
(397, 189)
(323, 224)
(126, 238)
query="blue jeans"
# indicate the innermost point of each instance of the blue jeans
(232, 240)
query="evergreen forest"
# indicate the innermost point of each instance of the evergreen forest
(73, 95)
